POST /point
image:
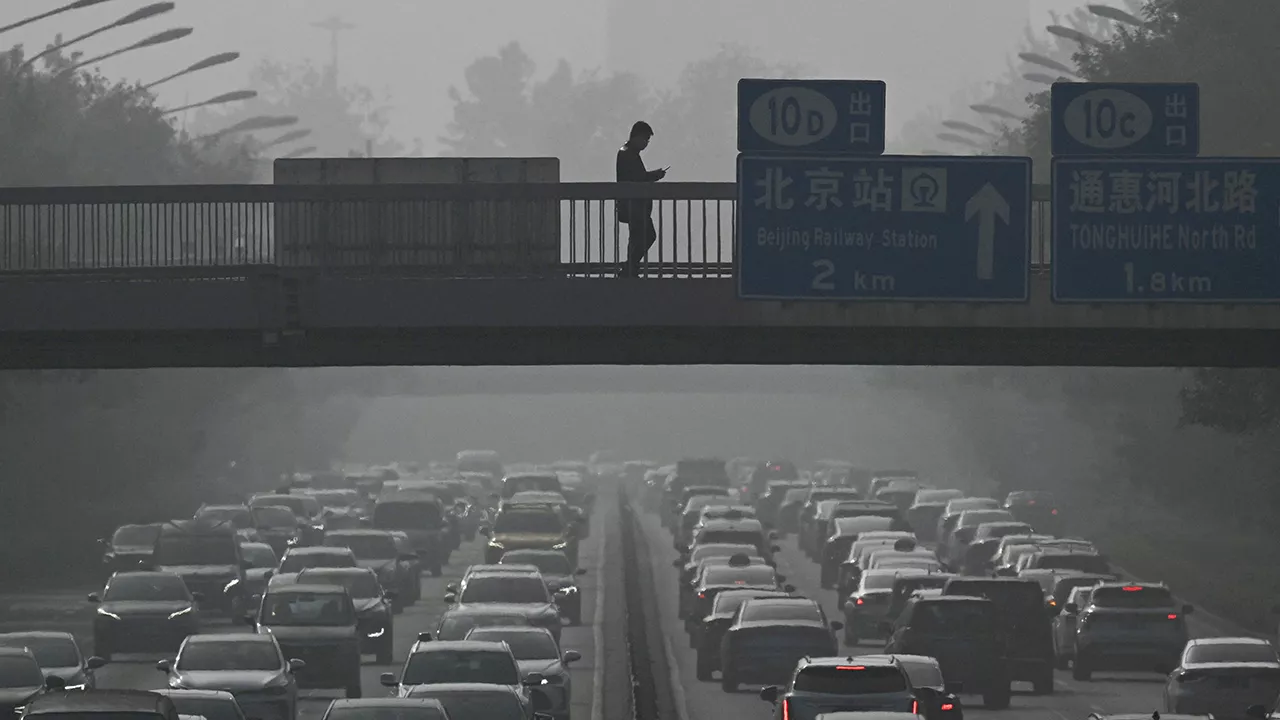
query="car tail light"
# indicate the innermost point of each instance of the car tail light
(1132, 588)
(1053, 511)
(702, 596)
(947, 706)
(786, 709)
(851, 667)
(1173, 616)
(915, 707)
(858, 601)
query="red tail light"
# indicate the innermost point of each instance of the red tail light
(1031, 502)
(915, 707)
(786, 709)
(851, 667)
(702, 596)
(1132, 588)
(947, 706)
(858, 601)
(1173, 616)
(1053, 511)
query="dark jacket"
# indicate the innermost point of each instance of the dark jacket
(631, 169)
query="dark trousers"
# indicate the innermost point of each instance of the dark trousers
(641, 235)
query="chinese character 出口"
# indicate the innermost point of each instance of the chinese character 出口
(876, 193)
(1175, 136)
(1126, 192)
(860, 103)
(773, 188)
(824, 188)
(1202, 187)
(859, 133)
(1087, 191)
(1175, 106)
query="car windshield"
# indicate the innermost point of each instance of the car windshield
(20, 671)
(365, 547)
(385, 712)
(1231, 653)
(297, 562)
(274, 516)
(1132, 597)
(922, 674)
(220, 655)
(50, 651)
(468, 705)
(973, 518)
(795, 495)
(505, 589)
(547, 563)
(136, 535)
(362, 585)
(877, 581)
(951, 618)
(296, 503)
(544, 523)
(753, 575)
(328, 609)
(531, 483)
(162, 588)
(259, 556)
(703, 552)
(461, 666)
(735, 537)
(794, 610)
(239, 517)
(852, 679)
(196, 550)
(524, 644)
(207, 707)
(455, 626)
(1015, 598)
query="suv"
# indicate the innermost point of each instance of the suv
(1129, 626)
(208, 559)
(420, 516)
(529, 526)
(833, 684)
(378, 551)
(316, 624)
(962, 634)
(1026, 624)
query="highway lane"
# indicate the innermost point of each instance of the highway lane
(70, 612)
(1108, 693)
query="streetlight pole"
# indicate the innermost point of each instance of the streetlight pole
(160, 38)
(235, 96)
(258, 122)
(136, 16)
(335, 26)
(77, 5)
(205, 64)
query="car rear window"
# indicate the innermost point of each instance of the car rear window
(953, 618)
(851, 679)
(753, 575)
(1133, 597)
(737, 537)
(1081, 562)
(1009, 597)
(1231, 653)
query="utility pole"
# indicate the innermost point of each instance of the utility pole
(336, 26)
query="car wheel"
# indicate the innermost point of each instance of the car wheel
(703, 667)
(1080, 669)
(1043, 685)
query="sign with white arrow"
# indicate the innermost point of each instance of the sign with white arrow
(892, 228)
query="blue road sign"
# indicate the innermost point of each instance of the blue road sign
(818, 116)
(1109, 119)
(1148, 231)
(888, 228)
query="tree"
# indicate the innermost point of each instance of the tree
(343, 119)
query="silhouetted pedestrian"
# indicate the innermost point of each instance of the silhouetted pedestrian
(637, 214)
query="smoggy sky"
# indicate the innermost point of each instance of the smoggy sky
(926, 50)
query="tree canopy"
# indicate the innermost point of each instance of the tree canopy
(582, 117)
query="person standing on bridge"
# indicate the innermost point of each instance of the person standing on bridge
(637, 214)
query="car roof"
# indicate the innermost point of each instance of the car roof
(319, 550)
(467, 645)
(386, 702)
(782, 600)
(832, 661)
(731, 524)
(504, 568)
(229, 637)
(466, 688)
(145, 574)
(99, 701)
(48, 634)
(516, 571)
(528, 551)
(338, 571)
(927, 596)
(527, 629)
(1228, 641)
(923, 659)
(257, 545)
(15, 652)
(354, 532)
(187, 692)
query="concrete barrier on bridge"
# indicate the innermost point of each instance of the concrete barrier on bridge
(454, 234)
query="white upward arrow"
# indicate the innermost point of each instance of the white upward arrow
(988, 204)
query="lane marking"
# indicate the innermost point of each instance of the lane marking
(673, 666)
(597, 631)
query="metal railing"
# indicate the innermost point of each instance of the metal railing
(464, 230)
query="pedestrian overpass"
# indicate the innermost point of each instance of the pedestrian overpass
(499, 274)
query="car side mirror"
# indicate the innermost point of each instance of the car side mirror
(246, 565)
(197, 596)
(53, 683)
(837, 625)
(296, 664)
(580, 571)
(164, 666)
(1188, 609)
(450, 597)
(424, 637)
(388, 680)
(769, 694)
(1071, 608)
(451, 587)
(268, 574)
(788, 588)
(571, 656)
(954, 687)
(94, 662)
(534, 679)
(94, 598)
(773, 534)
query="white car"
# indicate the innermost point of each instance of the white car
(1223, 676)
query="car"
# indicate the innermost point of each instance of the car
(307, 510)
(129, 547)
(249, 666)
(744, 531)
(560, 576)
(378, 551)
(1066, 581)
(768, 636)
(373, 605)
(298, 559)
(260, 564)
(479, 701)
(318, 625)
(143, 611)
(530, 482)
(455, 661)
(905, 586)
(1025, 623)
(925, 510)
(1129, 626)
(767, 504)
(825, 684)
(685, 598)
(962, 634)
(867, 608)
(206, 555)
(787, 518)
(101, 705)
(1064, 626)
(709, 630)
(21, 679)
(381, 708)
(538, 655)
(59, 655)
(277, 526)
(1082, 560)
(1223, 676)
(951, 515)
(420, 516)
(513, 593)
(1037, 508)
(688, 566)
(739, 575)
(848, 572)
(939, 699)
(690, 515)
(962, 534)
(846, 531)
(208, 704)
(457, 621)
(525, 526)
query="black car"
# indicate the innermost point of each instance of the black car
(769, 636)
(560, 575)
(844, 533)
(963, 634)
(1039, 509)
(261, 562)
(421, 517)
(142, 612)
(709, 631)
(318, 625)
(373, 605)
(767, 504)
(729, 577)
(939, 698)
(206, 555)
(20, 679)
(59, 656)
(277, 526)
(129, 547)
(377, 550)
(1025, 621)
